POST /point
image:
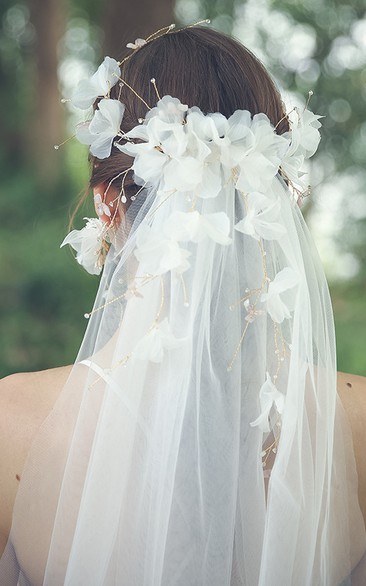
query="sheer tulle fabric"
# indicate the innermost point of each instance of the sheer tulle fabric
(151, 469)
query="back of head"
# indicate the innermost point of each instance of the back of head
(201, 67)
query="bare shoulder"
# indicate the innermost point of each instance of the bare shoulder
(25, 401)
(23, 386)
(352, 392)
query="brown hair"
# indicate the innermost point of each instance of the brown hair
(201, 67)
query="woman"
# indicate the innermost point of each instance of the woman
(197, 439)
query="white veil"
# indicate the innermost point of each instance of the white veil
(198, 440)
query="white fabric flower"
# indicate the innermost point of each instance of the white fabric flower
(194, 227)
(207, 128)
(269, 395)
(96, 86)
(265, 152)
(156, 342)
(149, 161)
(137, 44)
(169, 110)
(187, 173)
(192, 152)
(101, 206)
(100, 132)
(181, 173)
(303, 140)
(164, 143)
(239, 138)
(259, 221)
(291, 165)
(168, 137)
(164, 153)
(88, 243)
(197, 169)
(304, 134)
(159, 254)
(277, 307)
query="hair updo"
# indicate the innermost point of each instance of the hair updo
(200, 66)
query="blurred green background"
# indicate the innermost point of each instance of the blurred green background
(46, 46)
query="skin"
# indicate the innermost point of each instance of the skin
(352, 392)
(25, 401)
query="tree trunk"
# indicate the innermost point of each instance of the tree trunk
(126, 20)
(46, 128)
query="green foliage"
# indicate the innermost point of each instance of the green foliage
(349, 302)
(44, 293)
(336, 79)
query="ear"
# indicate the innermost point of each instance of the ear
(107, 203)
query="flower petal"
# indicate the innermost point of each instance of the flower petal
(157, 342)
(84, 94)
(259, 221)
(100, 132)
(106, 76)
(269, 395)
(87, 243)
(159, 254)
(285, 280)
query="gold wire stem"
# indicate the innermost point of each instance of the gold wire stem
(299, 193)
(93, 311)
(279, 353)
(269, 450)
(264, 264)
(238, 346)
(185, 297)
(247, 324)
(250, 293)
(126, 358)
(133, 197)
(114, 179)
(284, 117)
(153, 211)
(124, 82)
(153, 81)
(120, 85)
(156, 35)
(194, 201)
(122, 190)
(161, 302)
(205, 21)
(146, 280)
(160, 33)
(57, 146)
(310, 93)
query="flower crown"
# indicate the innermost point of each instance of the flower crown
(180, 141)
(186, 150)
